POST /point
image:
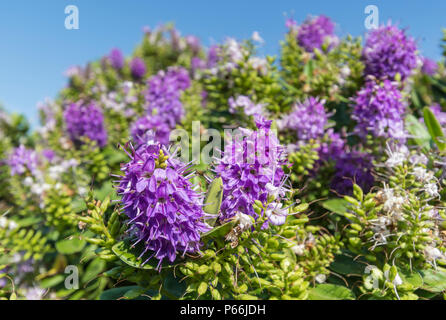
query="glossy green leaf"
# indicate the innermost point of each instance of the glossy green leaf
(174, 286)
(329, 291)
(213, 200)
(94, 268)
(345, 265)
(338, 206)
(134, 293)
(52, 281)
(418, 131)
(220, 231)
(107, 190)
(434, 280)
(70, 246)
(116, 293)
(434, 128)
(412, 277)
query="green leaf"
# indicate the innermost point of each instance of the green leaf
(416, 99)
(114, 157)
(134, 293)
(309, 69)
(78, 205)
(52, 282)
(70, 246)
(94, 268)
(28, 222)
(434, 128)
(129, 255)
(414, 278)
(219, 232)
(116, 293)
(213, 200)
(434, 281)
(419, 132)
(173, 285)
(345, 265)
(338, 206)
(105, 191)
(328, 291)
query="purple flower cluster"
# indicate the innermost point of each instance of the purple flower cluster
(379, 110)
(116, 59)
(22, 160)
(352, 167)
(197, 64)
(307, 119)
(49, 154)
(137, 68)
(429, 67)
(163, 95)
(290, 23)
(331, 146)
(389, 51)
(314, 32)
(165, 213)
(85, 120)
(148, 127)
(249, 108)
(164, 107)
(213, 56)
(251, 169)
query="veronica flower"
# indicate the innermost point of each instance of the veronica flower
(23, 160)
(290, 23)
(213, 56)
(387, 52)
(137, 68)
(249, 108)
(314, 32)
(429, 67)
(352, 167)
(307, 119)
(116, 59)
(164, 92)
(165, 213)
(250, 162)
(151, 127)
(85, 120)
(379, 110)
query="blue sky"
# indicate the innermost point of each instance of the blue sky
(36, 48)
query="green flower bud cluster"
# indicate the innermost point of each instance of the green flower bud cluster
(94, 161)
(57, 209)
(303, 161)
(5, 195)
(394, 225)
(243, 79)
(159, 52)
(193, 105)
(327, 74)
(266, 263)
(32, 243)
(104, 223)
